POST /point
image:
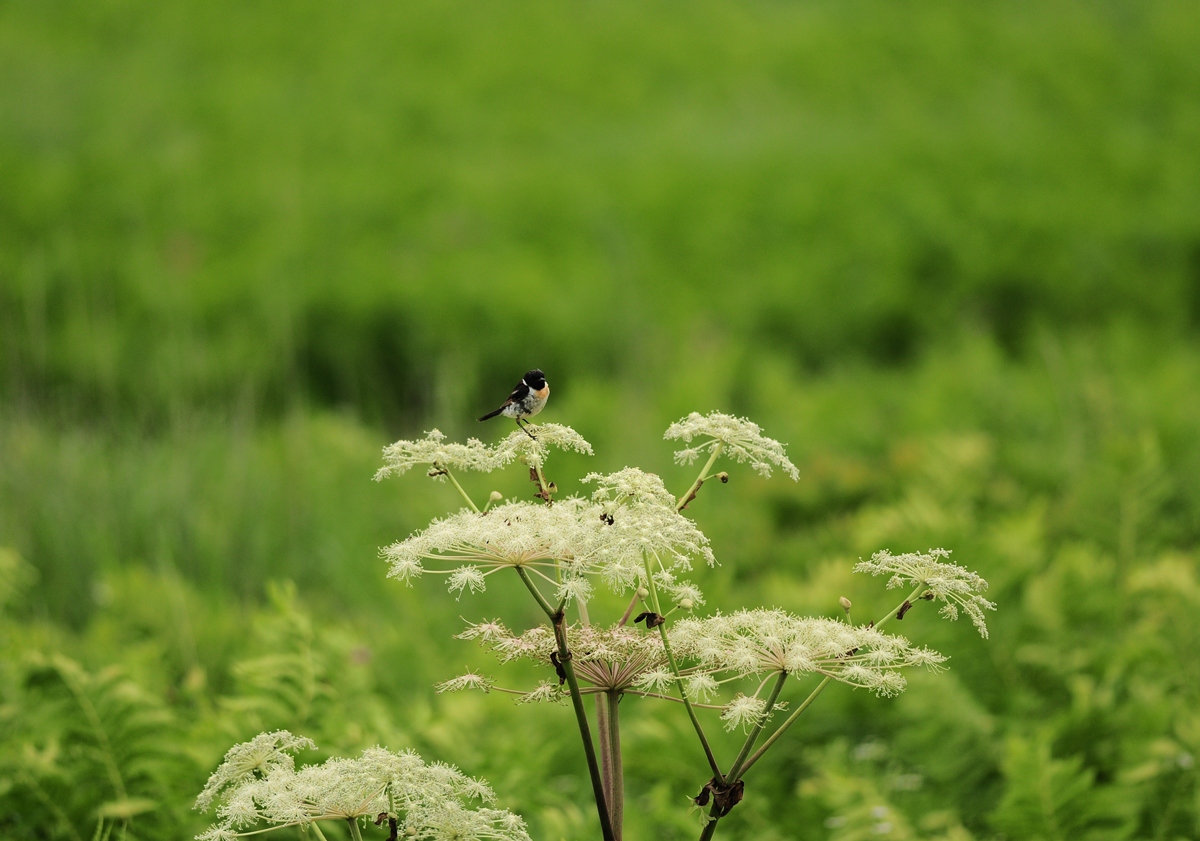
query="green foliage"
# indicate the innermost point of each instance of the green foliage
(948, 252)
(225, 205)
(1088, 678)
(1056, 799)
(83, 749)
(859, 793)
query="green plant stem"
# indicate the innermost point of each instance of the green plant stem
(354, 831)
(617, 797)
(542, 483)
(629, 610)
(317, 829)
(812, 696)
(603, 725)
(662, 630)
(454, 482)
(748, 745)
(557, 622)
(700, 479)
(912, 599)
(536, 593)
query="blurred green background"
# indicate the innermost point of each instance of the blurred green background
(949, 252)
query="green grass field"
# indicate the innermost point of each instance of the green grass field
(948, 252)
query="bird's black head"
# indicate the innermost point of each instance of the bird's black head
(535, 379)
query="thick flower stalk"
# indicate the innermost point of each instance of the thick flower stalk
(258, 789)
(956, 586)
(738, 438)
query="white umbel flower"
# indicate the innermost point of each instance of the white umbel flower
(265, 753)
(957, 587)
(440, 455)
(744, 711)
(427, 801)
(630, 517)
(661, 679)
(742, 440)
(470, 680)
(533, 451)
(764, 642)
(515, 534)
(638, 518)
(613, 659)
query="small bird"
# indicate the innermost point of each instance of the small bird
(526, 400)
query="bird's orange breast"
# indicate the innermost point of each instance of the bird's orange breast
(543, 392)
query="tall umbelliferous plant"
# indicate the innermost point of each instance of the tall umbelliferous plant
(627, 531)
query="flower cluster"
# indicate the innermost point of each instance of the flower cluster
(516, 534)
(630, 533)
(532, 451)
(698, 684)
(612, 659)
(740, 438)
(630, 517)
(956, 586)
(440, 455)
(639, 520)
(258, 784)
(265, 753)
(758, 642)
(744, 711)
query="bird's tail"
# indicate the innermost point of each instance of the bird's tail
(491, 415)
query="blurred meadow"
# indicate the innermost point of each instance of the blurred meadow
(948, 252)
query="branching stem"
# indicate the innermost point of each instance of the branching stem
(629, 610)
(558, 622)
(543, 486)
(662, 630)
(694, 489)
(748, 745)
(738, 772)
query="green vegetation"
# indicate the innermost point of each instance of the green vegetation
(949, 252)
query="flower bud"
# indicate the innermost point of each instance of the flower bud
(687, 604)
(642, 592)
(495, 496)
(724, 477)
(845, 603)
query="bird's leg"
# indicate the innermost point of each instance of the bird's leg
(526, 431)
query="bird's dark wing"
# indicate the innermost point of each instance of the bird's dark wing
(518, 393)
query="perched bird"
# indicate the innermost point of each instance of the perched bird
(526, 400)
